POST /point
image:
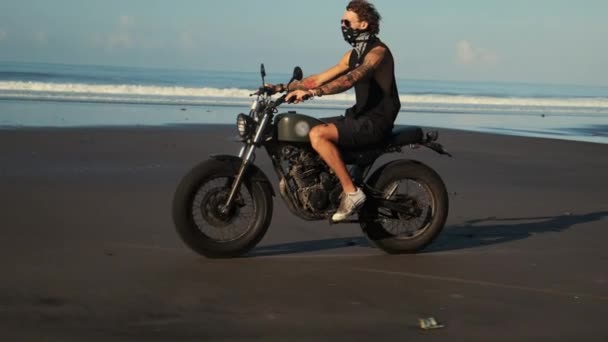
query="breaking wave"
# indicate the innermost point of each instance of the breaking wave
(178, 95)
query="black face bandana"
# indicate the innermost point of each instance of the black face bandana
(357, 38)
(352, 36)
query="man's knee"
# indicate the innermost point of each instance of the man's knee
(317, 135)
(322, 133)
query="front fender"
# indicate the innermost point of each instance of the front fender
(253, 172)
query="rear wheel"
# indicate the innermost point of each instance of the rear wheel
(412, 210)
(200, 221)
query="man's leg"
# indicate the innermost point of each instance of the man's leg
(324, 139)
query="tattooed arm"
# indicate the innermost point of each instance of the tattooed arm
(318, 80)
(371, 62)
(340, 82)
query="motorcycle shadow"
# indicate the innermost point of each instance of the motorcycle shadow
(493, 230)
(470, 234)
(301, 247)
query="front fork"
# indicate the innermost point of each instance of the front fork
(236, 185)
(247, 154)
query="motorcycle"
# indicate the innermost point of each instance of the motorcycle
(223, 207)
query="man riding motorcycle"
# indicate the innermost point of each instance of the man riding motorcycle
(369, 68)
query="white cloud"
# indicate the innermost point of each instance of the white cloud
(186, 41)
(469, 54)
(151, 42)
(3, 35)
(127, 33)
(41, 38)
(127, 21)
(120, 40)
(122, 37)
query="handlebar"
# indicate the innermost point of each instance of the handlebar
(280, 100)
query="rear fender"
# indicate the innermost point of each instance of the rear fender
(371, 180)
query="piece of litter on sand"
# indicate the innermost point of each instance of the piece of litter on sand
(429, 323)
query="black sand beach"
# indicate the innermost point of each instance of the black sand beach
(88, 251)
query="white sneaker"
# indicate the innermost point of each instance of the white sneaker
(348, 205)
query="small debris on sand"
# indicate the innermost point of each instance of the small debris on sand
(429, 324)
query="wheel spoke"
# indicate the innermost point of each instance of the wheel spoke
(391, 190)
(206, 214)
(414, 221)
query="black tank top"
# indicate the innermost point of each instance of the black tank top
(381, 107)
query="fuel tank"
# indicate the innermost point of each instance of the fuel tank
(294, 127)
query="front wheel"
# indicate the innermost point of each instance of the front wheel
(409, 209)
(204, 227)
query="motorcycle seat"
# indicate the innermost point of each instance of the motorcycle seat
(401, 135)
(405, 135)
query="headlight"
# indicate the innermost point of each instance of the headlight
(244, 125)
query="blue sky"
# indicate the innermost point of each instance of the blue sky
(541, 41)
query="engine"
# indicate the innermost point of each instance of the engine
(316, 185)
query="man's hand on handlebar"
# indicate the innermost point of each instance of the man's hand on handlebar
(298, 96)
(271, 89)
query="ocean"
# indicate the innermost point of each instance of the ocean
(56, 95)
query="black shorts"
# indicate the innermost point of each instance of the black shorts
(357, 131)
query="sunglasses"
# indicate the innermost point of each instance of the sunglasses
(345, 22)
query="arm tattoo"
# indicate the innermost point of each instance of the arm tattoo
(305, 84)
(347, 81)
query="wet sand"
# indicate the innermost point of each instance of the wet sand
(88, 249)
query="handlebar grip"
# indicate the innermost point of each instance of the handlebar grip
(280, 100)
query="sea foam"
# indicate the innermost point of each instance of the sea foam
(148, 94)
